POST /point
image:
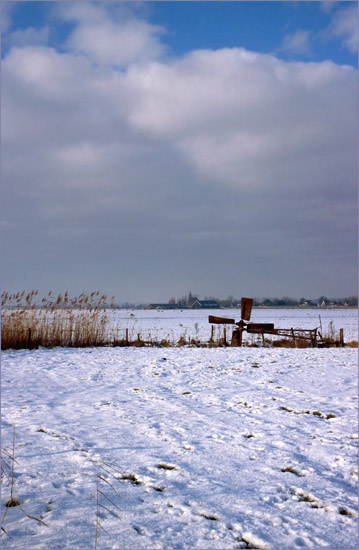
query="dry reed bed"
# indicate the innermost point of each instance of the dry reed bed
(56, 321)
(63, 321)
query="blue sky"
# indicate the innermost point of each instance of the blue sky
(153, 148)
(257, 26)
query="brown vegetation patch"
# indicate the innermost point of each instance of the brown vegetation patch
(181, 342)
(352, 344)
(131, 477)
(289, 343)
(293, 470)
(209, 516)
(164, 466)
(12, 503)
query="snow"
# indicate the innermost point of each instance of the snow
(204, 448)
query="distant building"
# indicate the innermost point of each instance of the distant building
(161, 306)
(191, 300)
(205, 304)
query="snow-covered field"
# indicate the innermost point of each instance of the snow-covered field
(203, 448)
(172, 324)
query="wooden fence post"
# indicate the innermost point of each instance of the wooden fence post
(294, 338)
(341, 337)
(29, 339)
(237, 338)
(126, 336)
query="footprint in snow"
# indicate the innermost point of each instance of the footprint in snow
(96, 377)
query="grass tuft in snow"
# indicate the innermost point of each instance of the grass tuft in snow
(293, 470)
(164, 466)
(253, 542)
(209, 516)
(133, 478)
(103, 500)
(13, 502)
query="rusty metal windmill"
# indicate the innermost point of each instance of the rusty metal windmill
(309, 335)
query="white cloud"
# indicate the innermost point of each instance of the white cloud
(297, 42)
(7, 9)
(111, 34)
(48, 76)
(28, 37)
(328, 6)
(344, 25)
(234, 114)
(230, 113)
(206, 89)
(107, 43)
(223, 110)
(81, 12)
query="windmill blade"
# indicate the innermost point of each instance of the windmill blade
(260, 328)
(220, 320)
(246, 308)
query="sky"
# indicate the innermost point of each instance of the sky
(153, 148)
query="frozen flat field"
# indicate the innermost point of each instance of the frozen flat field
(203, 448)
(172, 324)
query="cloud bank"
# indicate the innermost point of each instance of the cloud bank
(148, 175)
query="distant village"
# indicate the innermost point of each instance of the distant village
(192, 301)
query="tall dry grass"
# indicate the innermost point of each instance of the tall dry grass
(28, 322)
(54, 321)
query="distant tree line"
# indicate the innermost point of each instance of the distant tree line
(322, 301)
(232, 302)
